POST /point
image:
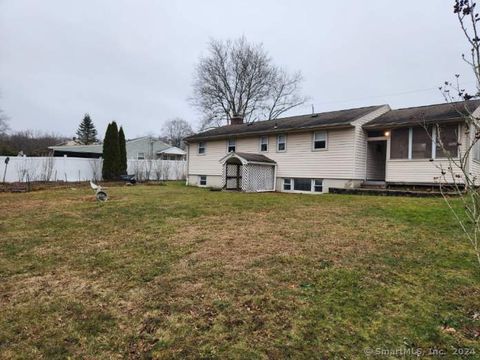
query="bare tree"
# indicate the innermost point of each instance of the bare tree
(96, 167)
(148, 166)
(238, 78)
(46, 168)
(32, 143)
(158, 169)
(166, 169)
(458, 176)
(3, 123)
(175, 130)
(138, 170)
(284, 94)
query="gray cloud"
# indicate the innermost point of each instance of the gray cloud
(132, 61)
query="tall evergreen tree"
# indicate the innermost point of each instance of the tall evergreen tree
(123, 151)
(87, 134)
(111, 153)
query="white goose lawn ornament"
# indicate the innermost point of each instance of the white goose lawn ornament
(100, 193)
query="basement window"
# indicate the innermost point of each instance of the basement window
(287, 184)
(202, 180)
(302, 184)
(318, 185)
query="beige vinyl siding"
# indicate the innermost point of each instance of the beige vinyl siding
(475, 169)
(301, 161)
(414, 171)
(474, 164)
(360, 143)
(208, 163)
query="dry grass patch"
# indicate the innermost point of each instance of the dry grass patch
(175, 272)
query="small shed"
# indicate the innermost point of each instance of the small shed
(248, 172)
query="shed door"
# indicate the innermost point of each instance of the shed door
(234, 176)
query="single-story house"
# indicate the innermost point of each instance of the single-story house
(336, 149)
(140, 148)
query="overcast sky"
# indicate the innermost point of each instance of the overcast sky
(133, 61)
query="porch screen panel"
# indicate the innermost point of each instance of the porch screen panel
(448, 137)
(421, 143)
(399, 144)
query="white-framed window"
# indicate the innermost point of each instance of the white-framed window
(202, 147)
(281, 143)
(433, 142)
(231, 145)
(302, 184)
(141, 156)
(317, 185)
(202, 180)
(263, 143)
(319, 140)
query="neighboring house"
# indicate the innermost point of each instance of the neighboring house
(337, 149)
(140, 148)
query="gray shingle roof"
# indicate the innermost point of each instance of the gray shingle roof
(255, 157)
(438, 113)
(92, 149)
(331, 119)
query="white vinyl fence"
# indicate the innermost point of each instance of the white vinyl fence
(24, 169)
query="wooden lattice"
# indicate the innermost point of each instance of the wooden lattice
(259, 178)
(249, 178)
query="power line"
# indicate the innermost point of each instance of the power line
(386, 95)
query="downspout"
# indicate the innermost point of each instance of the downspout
(188, 163)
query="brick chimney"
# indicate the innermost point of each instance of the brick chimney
(236, 120)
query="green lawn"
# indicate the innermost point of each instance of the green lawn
(177, 272)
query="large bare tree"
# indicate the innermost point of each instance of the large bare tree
(238, 78)
(175, 130)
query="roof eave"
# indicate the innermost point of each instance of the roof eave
(268, 132)
(399, 124)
